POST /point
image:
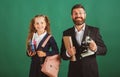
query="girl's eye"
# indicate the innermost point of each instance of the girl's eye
(41, 22)
(37, 23)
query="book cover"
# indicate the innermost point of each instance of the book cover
(68, 44)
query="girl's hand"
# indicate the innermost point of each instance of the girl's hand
(30, 53)
(41, 53)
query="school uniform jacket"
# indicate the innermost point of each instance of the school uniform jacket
(87, 66)
(50, 48)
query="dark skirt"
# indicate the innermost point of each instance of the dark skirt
(35, 69)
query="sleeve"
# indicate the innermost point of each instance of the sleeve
(101, 47)
(53, 47)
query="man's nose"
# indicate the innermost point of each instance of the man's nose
(78, 15)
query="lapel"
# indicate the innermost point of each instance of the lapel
(86, 32)
(73, 34)
(41, 42)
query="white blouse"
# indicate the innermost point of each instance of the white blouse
(37, 38)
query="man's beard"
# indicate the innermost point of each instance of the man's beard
(78, 22)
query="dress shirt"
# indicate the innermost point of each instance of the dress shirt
(37, 38)
(79, 34)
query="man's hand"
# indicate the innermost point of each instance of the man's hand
(93, 46)
(71, 51)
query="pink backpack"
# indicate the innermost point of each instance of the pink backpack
(51, 64)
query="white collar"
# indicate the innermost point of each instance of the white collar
(83, 28)
(35, 35)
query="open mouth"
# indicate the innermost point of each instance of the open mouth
(79, 18)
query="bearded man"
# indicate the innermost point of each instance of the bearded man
(85, 64)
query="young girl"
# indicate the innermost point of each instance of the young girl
(38, 32)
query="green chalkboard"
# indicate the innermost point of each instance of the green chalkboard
(15, 16)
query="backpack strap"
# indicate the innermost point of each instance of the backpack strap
(46, 40)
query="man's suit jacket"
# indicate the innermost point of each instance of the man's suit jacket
(84, 67)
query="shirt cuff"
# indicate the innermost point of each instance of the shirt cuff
(67, 54)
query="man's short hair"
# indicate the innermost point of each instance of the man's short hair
(77, 6)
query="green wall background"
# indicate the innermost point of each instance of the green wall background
(15, 16)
